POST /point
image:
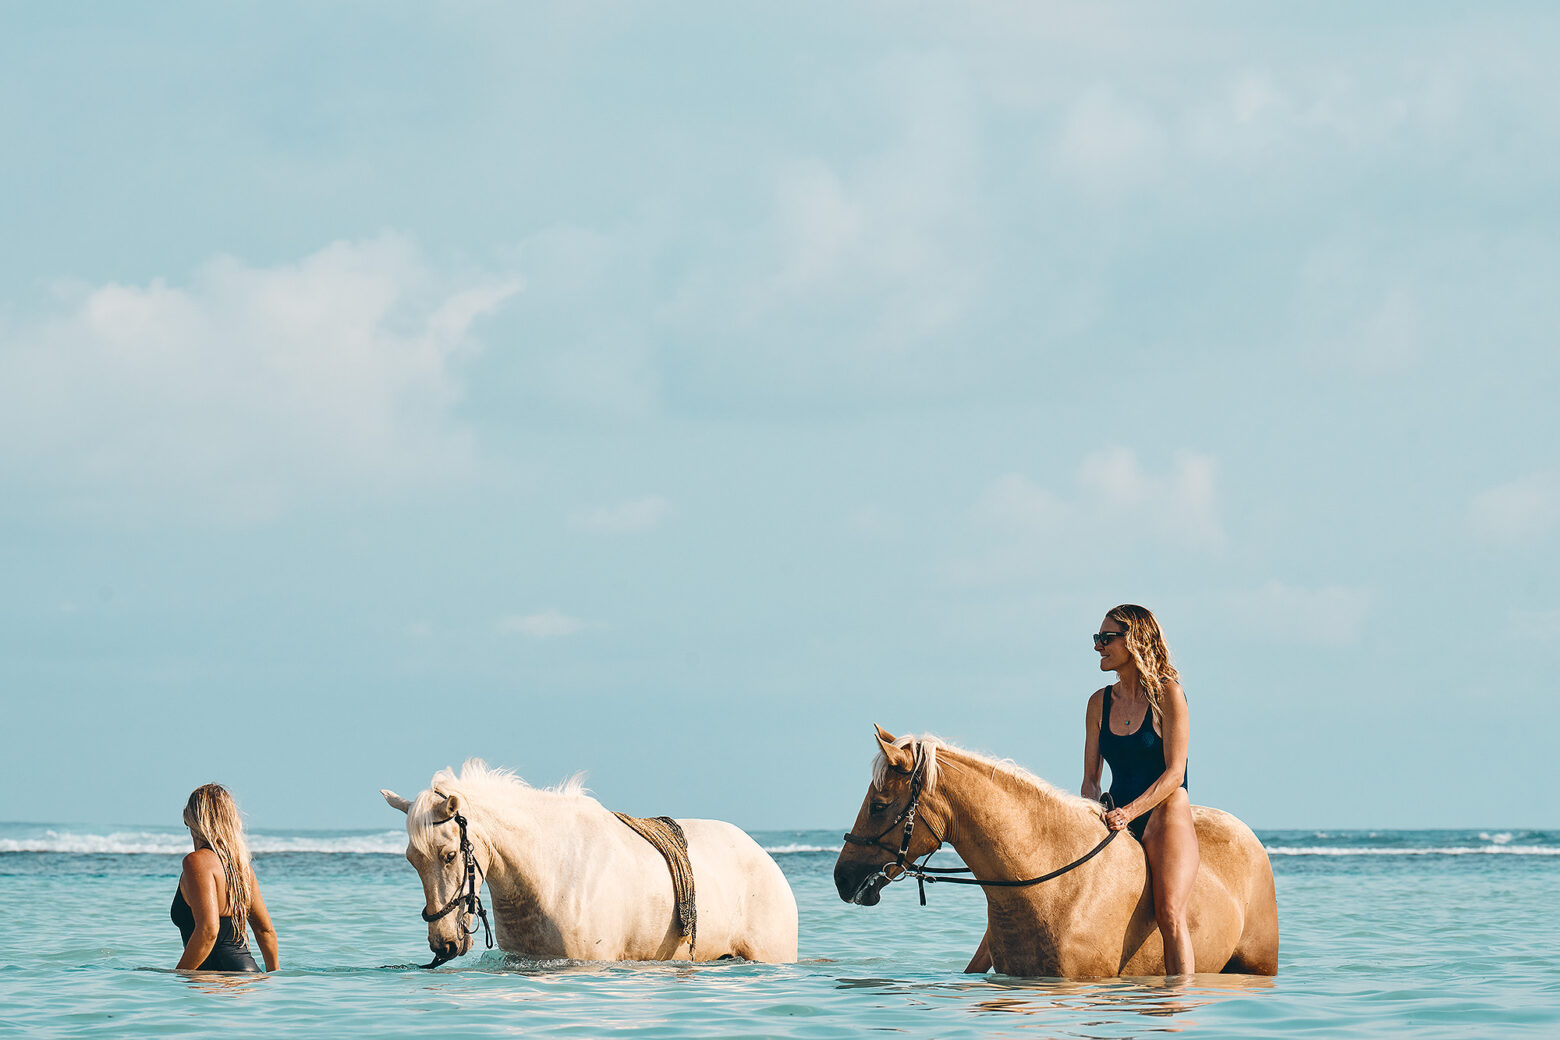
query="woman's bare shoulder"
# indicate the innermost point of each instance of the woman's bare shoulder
(201, 860)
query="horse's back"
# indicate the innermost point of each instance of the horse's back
(737, 879)
(1232, 855)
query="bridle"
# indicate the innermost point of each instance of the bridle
(466, 896)
(925, 875)
(906, 818)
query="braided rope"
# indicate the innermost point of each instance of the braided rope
(667, 837)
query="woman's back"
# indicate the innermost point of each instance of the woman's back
(218, 899)
(230, 952)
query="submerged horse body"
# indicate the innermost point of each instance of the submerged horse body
(1091, 921)
(568, 879)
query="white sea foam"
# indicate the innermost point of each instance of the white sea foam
(42, 839)
(1376, 850)
(163, 843)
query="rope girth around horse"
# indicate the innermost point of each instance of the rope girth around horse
(924, 874)
(467, 894)
(666, 836)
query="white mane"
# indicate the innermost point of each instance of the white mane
(931, 745)
(480, 782)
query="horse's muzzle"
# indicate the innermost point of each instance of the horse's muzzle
(449, 949)
(861, 884)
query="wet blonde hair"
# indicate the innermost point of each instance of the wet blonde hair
(213, 815)
(1146, 643)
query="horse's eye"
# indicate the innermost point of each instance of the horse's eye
(449, 857)
(879, 807)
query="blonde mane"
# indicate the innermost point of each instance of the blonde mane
(480, 782)
(932, 745)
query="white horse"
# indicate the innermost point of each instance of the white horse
(568, 879)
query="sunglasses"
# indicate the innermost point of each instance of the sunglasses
(1104, 638)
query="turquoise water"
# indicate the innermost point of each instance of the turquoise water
(1424, 934)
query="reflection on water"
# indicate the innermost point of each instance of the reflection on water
(1110, 1004)
(225, 983)
(1154, 997)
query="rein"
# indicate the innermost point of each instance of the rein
(925, 875)
(467, 895)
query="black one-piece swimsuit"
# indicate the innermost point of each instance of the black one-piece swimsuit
(1136, 760)
(227, 953)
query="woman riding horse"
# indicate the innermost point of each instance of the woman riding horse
(1139, 726)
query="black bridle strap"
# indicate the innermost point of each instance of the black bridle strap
(932, 875)
(925, 875)
(468, 893)
(905, 817)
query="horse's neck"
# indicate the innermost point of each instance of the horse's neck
(1003, 827)
(533, 841)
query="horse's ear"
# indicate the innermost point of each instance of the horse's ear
(395, 800)
(900, 758)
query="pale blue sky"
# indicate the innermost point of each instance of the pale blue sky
(673, 391)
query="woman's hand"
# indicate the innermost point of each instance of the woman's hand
(1117, 819)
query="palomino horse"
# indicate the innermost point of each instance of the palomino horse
(569, 880)
(1096, 919)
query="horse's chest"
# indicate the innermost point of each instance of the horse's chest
(523, 928)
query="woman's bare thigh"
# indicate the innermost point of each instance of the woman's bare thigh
(1171, 843)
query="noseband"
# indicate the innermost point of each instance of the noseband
(924, 874)
(467, 896)
(906, 818)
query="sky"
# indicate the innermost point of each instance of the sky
(671, 392)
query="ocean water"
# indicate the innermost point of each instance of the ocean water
(1398, 933)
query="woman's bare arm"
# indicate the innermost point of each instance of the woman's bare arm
(1091, 746)
(199, 884)
(1176, 730)
(260, 922)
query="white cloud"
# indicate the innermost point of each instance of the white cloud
(548, 624)
(1536, 624)
(250, 386)
(866, 260)
(1332, 616)
(1359, 311)
(1519, 512)
(1177, 506)
(639, 514)
(1026, 527)
(1107, 146)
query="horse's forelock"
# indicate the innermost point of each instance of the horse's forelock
(424, 816)
(929, 770)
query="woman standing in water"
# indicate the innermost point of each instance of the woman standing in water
(1139, 725)
(218, 899)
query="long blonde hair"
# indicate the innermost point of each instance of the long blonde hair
(213, 815)
(1146, 643)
